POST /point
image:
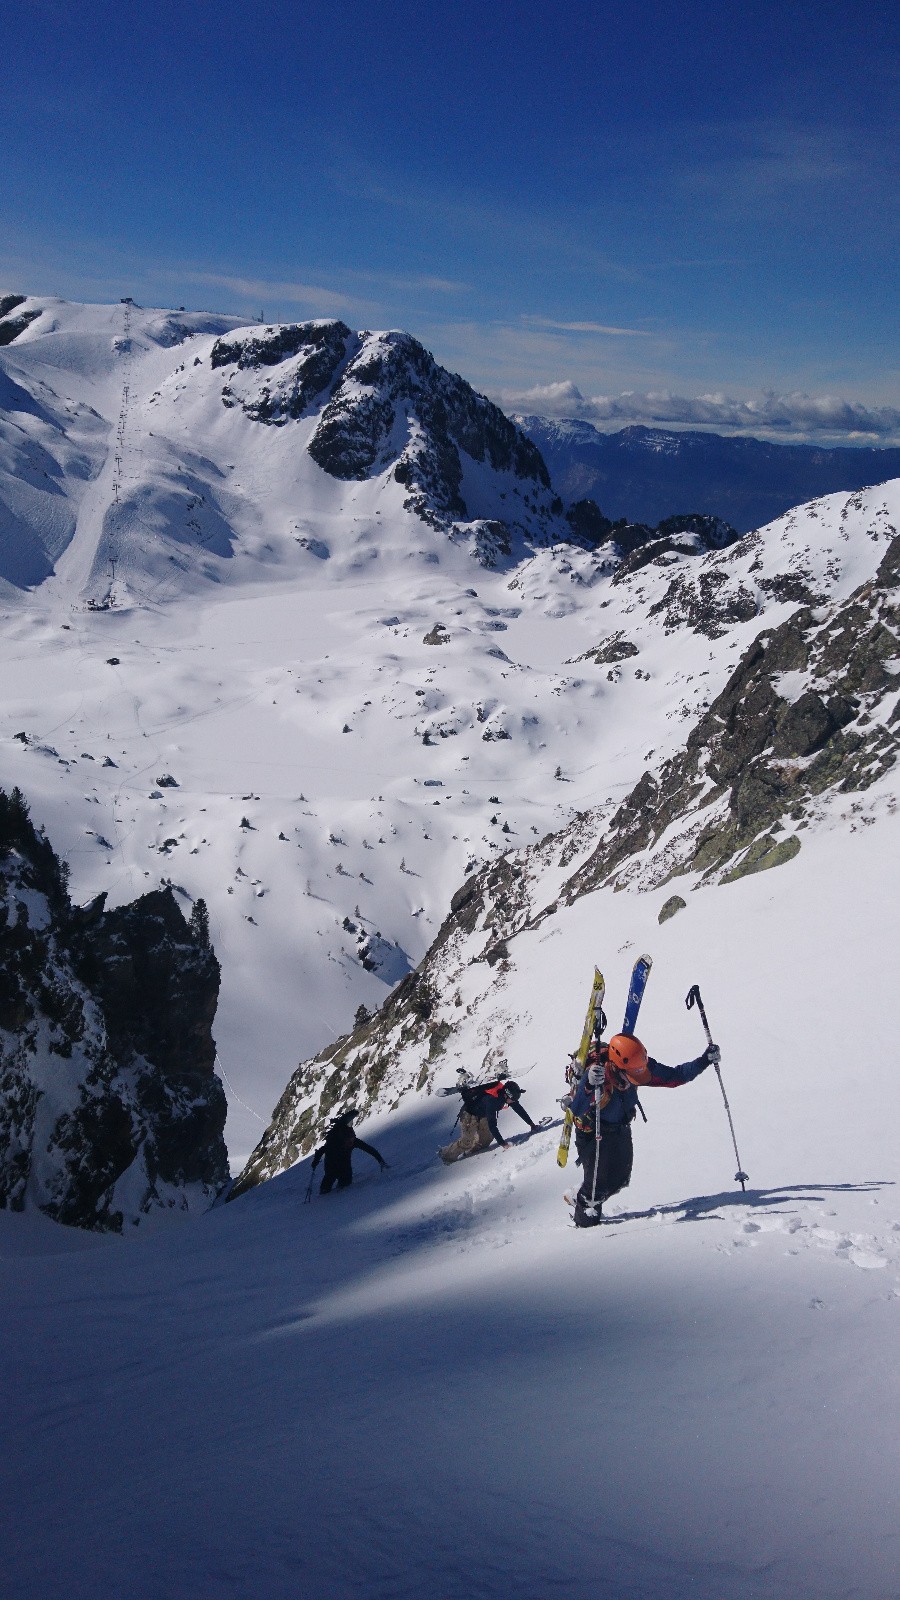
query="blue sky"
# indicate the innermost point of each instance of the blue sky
(669, 200)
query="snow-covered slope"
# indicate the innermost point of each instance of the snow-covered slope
(162, 450)
(354, 709)
(807, 718)
(431, 1385)
(364, 747)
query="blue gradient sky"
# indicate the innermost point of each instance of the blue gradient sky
(697, 198)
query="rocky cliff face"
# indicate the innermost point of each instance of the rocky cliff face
(303, 357)
(11, 326)
(812, 706)
(110, 1111)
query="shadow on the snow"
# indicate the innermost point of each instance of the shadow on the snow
(780, 1201)
(344, 1388)
(418, 1204)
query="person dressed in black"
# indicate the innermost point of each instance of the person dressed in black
(340, 1143)
(478, 1118)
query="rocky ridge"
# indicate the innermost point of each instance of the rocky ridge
(110, 1110)
(812, 706)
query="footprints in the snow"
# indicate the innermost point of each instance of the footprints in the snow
(864, 1251)
(462, 1221)
(493, 1207)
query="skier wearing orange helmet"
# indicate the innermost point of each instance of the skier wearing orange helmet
(606, 1100)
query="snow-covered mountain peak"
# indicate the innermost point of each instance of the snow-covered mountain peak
(387, 407)
(227, 446)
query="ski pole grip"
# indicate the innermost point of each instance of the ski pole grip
(693, 998)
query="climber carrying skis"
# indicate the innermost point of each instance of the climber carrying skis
(478, 1118)
(340, 1143)
(603, 1106)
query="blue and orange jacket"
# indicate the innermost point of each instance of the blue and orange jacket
(618, 1097)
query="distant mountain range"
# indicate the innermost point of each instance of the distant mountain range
(647, 474)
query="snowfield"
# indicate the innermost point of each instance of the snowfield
(431, 1384)
(321, 713)
(262, 640)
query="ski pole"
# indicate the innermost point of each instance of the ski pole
(694, 999)
(592, 1208)
(307, 1199)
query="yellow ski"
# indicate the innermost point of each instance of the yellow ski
(598, 989)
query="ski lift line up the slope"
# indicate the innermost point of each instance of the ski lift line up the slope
(121, 430)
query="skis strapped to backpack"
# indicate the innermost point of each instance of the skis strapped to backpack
(639, 975)
(598, 989)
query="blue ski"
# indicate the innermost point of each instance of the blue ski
(639, 976)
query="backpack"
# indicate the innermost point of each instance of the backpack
(472, 1092)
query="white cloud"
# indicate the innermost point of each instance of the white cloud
(413, 283)
(586, 327)
(779, 414)
(262, 289)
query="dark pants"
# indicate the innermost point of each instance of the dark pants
(614, 1158)
(337, 1171)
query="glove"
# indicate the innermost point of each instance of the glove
(596, 1076)
(713, 1055)
(566, 1102)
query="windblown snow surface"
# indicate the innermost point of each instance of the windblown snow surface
(432, 1385)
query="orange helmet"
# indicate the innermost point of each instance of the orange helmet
(628, 1055)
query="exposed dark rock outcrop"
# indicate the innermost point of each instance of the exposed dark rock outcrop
(394, 383)
(10, 326)
(615, 648)
(637, 544)
(386, 406)
(308, 354)
(708, 605)
(109, 1105)
(759, 758)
